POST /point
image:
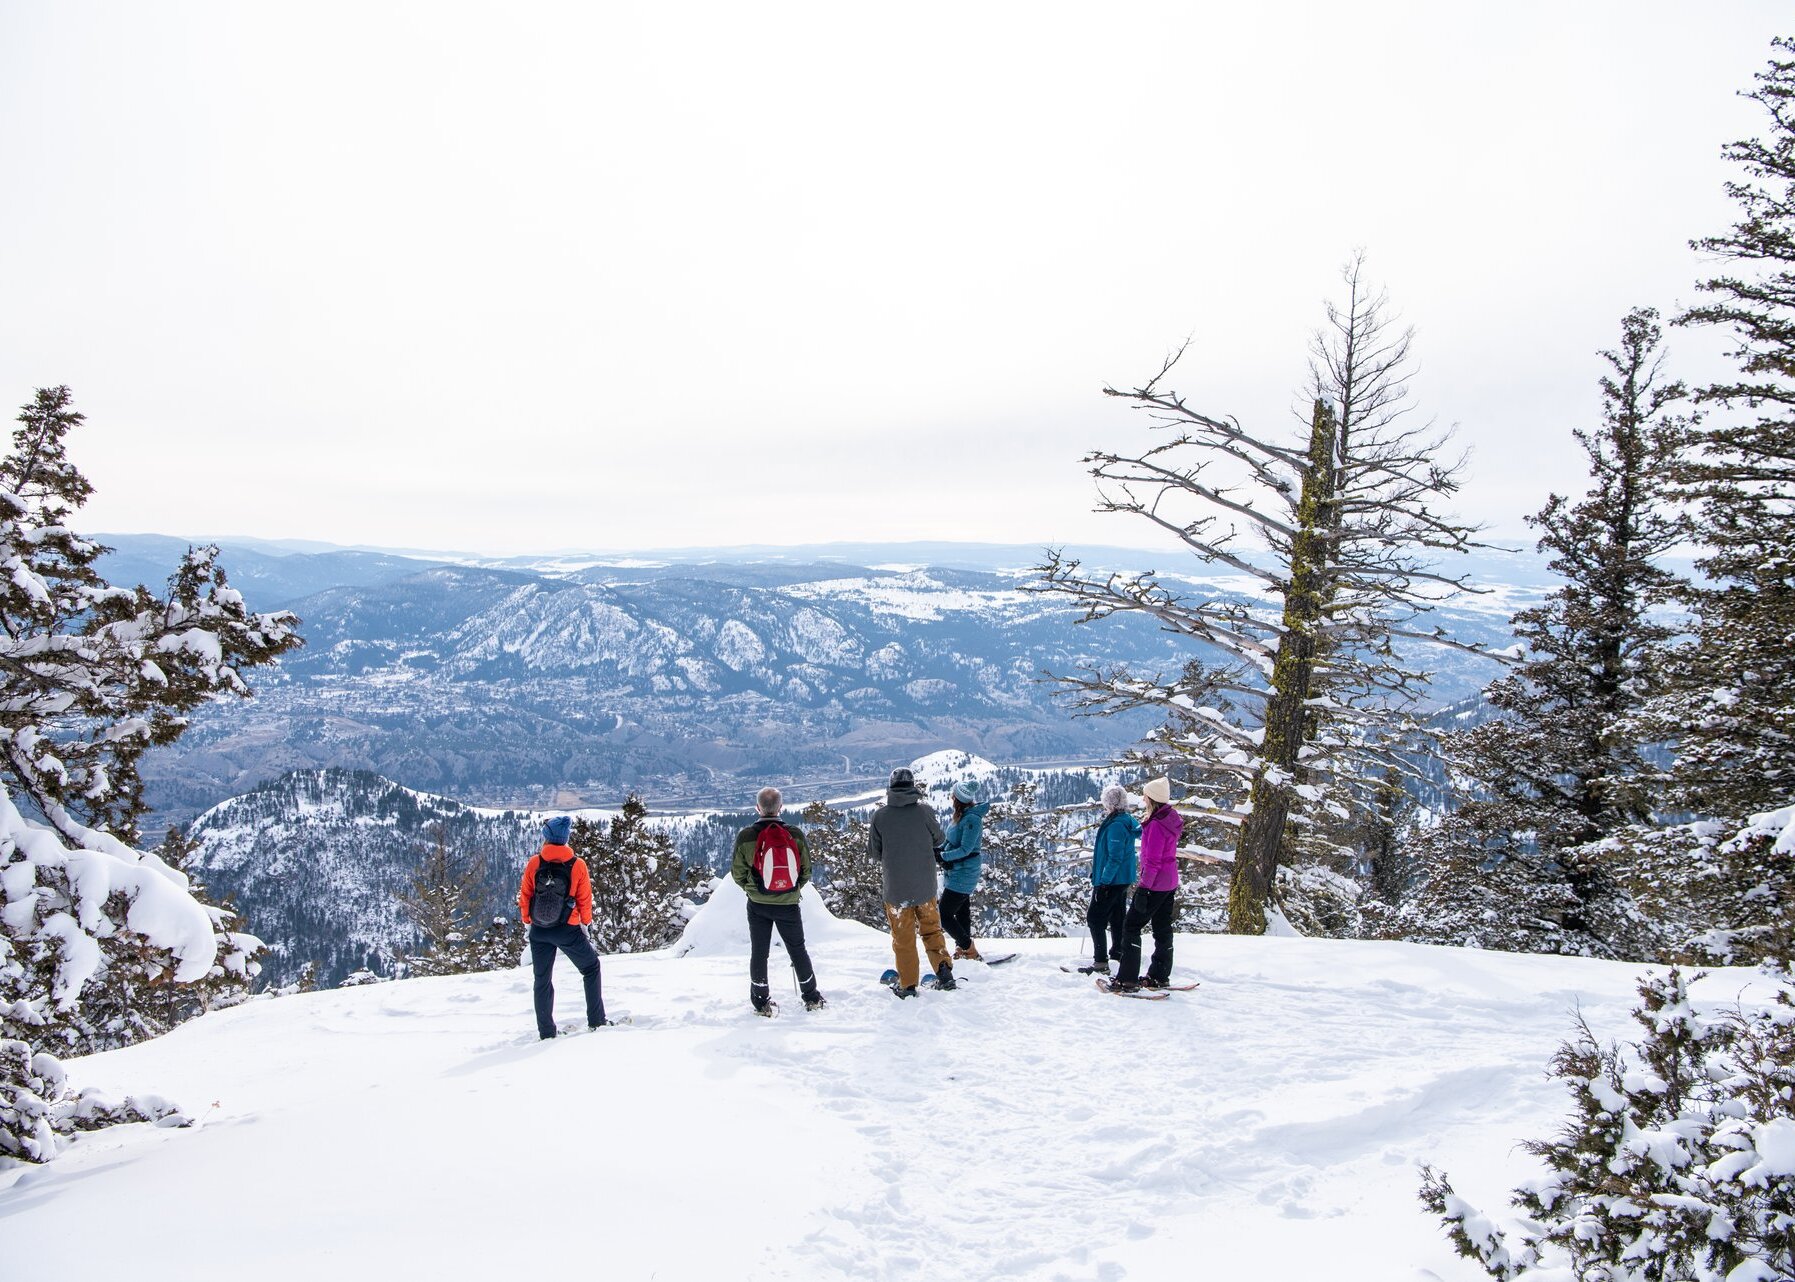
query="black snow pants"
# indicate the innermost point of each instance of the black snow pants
(1158, 907)
(1109, 906)
(762, 918)
(956, 917)
(545, 942)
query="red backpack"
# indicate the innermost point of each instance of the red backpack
(776, 860)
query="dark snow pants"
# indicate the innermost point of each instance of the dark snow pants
(956, 917)
(1109, 906)
(762, 918)
(545, 942)
(1156, 906)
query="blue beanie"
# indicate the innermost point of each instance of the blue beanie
(967, 790)
(556, 830)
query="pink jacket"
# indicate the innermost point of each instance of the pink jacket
(1159, 849)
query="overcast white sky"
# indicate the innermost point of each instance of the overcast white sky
(520, 277)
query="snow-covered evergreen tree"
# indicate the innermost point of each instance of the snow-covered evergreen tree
(1035, 882)
(1734, 710)
(1676, 1165)
(1704, 892)
(1477, 893)
(1564, 762)
(639, 886)
(847, 876)
(91, 676)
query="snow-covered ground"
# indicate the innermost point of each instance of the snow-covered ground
(1265, 1126)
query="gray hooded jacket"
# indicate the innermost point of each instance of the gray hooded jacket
(904, 838)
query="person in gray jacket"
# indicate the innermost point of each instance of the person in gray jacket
(905, 838)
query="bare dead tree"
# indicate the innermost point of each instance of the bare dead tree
(1302, 689)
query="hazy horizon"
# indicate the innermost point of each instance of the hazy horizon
(565, 276)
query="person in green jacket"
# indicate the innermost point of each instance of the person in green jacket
(772, 865)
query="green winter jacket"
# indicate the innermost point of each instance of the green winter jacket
(741, 868)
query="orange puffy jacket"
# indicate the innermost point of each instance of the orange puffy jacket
(582, 884)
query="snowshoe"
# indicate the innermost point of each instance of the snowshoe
(1130, 990)
(815, 1003)
(944, 978)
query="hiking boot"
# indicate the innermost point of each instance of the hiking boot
(968, 953)
(765, 1008)
(944, 977)
(1147, 981)
(1125, 985)
(815, 1001)
(1095, 968)
(898, 990)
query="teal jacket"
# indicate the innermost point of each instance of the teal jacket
(1112, 852)
(961, 856)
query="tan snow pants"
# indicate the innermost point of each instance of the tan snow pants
(906, 924)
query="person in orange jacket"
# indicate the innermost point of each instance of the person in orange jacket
(555, 901)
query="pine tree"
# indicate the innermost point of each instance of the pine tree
(847, 876)
(1299, 691)
(91, 676)
(638, 882)
(447, 903)
(97, 675)
(1735, 706)
(1565, 762)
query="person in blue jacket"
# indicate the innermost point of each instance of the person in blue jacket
(961, 862)
(1113, 870)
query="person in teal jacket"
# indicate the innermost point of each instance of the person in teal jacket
(961, 863)
(1113, 870)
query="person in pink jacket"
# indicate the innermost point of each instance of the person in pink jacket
(1155, 898)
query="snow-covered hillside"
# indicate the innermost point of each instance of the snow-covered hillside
(1266, 1126)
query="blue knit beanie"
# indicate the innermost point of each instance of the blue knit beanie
(556, 830)
(967, 790)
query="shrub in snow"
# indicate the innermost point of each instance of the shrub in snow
(37, 1108)
(1676, 1165)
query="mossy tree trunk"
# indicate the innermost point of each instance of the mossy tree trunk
(1261, 841)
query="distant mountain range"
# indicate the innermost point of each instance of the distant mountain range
(689, 678)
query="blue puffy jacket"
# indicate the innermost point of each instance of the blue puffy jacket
(1112, 852)
(960, 857)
